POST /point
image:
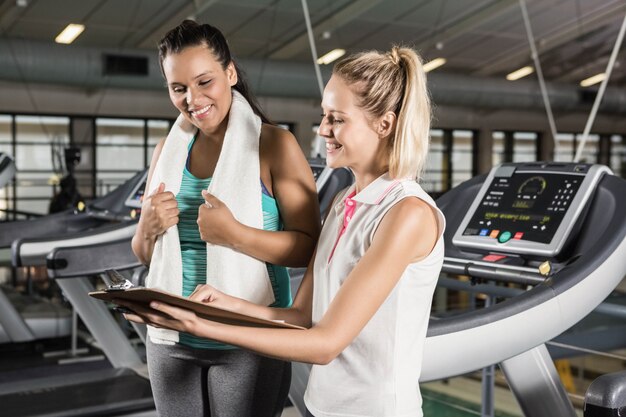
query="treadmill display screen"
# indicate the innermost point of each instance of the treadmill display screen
(136, 197)
(525, 206)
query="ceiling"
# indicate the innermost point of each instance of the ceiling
(477, 37)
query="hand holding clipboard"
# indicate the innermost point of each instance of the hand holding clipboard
(122, 289)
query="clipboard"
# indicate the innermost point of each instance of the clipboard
(125, 291)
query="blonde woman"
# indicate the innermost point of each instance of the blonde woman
(365, 299)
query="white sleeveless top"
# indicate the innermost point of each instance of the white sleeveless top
(377, 374)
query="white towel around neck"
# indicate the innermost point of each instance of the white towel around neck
(236, 182)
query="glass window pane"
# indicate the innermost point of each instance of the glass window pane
(40, 129)
(34, 191)
(40, 143)
(318, 145)
(36, 157)
(565, 150)
(433, 179)
(590, 150)
(461, 156)
(39, 157)
(119, 150)
(618, 155)
(118, 158)
(5, 134)
(524, 146)
(497, 151)
(33, 206)
(157, 130)
(6, 148)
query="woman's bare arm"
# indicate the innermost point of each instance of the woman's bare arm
(361, 295)
(159, 211)
(293, 188)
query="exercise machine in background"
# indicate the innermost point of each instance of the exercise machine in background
(555, 230)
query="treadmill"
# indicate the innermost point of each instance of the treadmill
(70, 265)
(555, 228)
(112, 207)
(27, 318)
(117, 213)
(123, 388)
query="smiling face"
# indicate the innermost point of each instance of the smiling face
(352, 139)
(200, 88)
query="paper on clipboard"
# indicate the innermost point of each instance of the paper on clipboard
(146, 295)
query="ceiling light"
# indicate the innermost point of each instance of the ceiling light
(70, 33)
(593, 80)
(520, 73)
(435, 63)
(331, 56)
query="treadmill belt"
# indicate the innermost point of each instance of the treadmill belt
(123, 393)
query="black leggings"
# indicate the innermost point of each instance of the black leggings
(216, 383)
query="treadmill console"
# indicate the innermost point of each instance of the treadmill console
(528, 208)
(321, 172)
(317, 167)
(135, 197)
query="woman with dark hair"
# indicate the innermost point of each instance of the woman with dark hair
(231, 202)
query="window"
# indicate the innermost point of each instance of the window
(157, 130)
(318, 145)
(497, 151)
(568, 144)
(514, 147)
(119, 151)
(122, 147)
(618, 155)
(462, 156)
(39, 158)
(433, 178)
(590, 150)
(525, 146)
(5, 134)
(564, 147)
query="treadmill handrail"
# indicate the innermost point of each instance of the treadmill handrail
(490, 271)
(71, 262)
(33, 252)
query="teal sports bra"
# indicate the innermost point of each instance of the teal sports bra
(193, 249)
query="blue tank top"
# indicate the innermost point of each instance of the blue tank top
(193, 249)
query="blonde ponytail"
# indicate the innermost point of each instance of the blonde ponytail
(412, 136)
(394, 81)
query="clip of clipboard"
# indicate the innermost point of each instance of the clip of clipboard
(119, 282)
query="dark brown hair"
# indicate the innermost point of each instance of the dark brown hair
(190, 33)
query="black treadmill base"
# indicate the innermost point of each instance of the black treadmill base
(108, 396)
